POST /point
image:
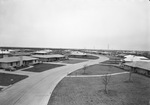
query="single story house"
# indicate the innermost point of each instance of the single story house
(17, 61)
(137, 67)
(43, 52)
(130, 58)
(50, 58)
(4, 54)
(77, 53)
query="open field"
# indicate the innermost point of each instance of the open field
(73, 61)
(42, 67)
(8, 79)
(84, 57)
(97, 70)
(89, 91)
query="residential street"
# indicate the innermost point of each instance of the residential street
(37, 89)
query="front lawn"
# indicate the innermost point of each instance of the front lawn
(8, 79)
(1, 89)
(73, 61)
(97, 70)
(89, 91)
(113, 60)
(42, 67)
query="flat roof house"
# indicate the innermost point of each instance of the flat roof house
(4, 54)
(137, 67)
(17, 61)
(50, 58)
(43, 52)
(130, 58)
(77, 53)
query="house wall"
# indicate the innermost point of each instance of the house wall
(5, 65)
(30, 62)
(136, 70)
(142, 71)
(4, 55)
(35, 61)
(15, 64)
(51, 59)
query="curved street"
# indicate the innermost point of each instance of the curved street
(37, 89)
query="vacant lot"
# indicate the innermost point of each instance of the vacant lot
(89, 91)
(84, 57)
(8, 79)
(42, 67)
(97, 70)
(73, 61)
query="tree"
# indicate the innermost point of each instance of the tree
(132, 69)
(105, 81)
(130, 73)
(84, 68)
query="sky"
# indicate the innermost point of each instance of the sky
(88, 24)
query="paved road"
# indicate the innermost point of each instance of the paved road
(37, 89)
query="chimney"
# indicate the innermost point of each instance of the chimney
(21, 60)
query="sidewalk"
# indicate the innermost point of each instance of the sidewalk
(19, 72)
(96, 75)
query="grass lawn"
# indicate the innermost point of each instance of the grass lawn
(89, 91)
(42, 67)
(113, 60)
(97, 70)
(73, 61)
(7, 79)
(84, 57)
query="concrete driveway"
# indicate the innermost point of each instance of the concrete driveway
(37, 89)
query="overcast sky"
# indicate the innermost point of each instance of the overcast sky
(123, 24)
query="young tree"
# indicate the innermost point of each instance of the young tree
(131, 70)
(130, 74)
(84, 68)
(105, 81)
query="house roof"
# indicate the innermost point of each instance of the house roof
(16, 59)
(136, 58)
(48, 56)
(43, 51)
(21, 54)
(4, 52)
(77, 53)
(139, 64)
